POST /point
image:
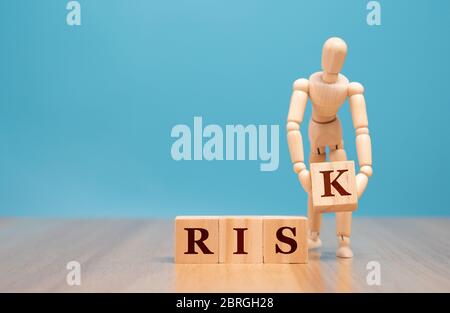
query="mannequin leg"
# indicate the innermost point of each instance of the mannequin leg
(343, 219)
(314, 218)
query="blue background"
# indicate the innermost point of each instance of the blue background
(86, 112)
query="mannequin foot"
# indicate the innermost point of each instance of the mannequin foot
(344, 250)
(314, 241)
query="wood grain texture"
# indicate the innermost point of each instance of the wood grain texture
(137, 255)
(285, 251)
(251, 233)
(334, 201)
(204, 231)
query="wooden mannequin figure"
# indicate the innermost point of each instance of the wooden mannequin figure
(327, 91)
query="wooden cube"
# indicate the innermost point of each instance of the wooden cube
(285, 239)
(334, 186)
(196, 239)
(240, 240)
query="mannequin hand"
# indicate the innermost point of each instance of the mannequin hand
(361, 184)
(305, 180)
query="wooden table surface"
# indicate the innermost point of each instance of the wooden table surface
(137, 255)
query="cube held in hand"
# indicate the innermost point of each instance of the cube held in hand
(334, 186)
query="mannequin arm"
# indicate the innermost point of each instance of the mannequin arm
(363, 142)
(296, 113)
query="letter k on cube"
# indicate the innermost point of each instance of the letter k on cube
(334, 186)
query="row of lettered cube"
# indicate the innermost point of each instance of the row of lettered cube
(241, 239)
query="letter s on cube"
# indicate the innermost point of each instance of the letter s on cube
(334, 186)
(285, 239)
(196, 239)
